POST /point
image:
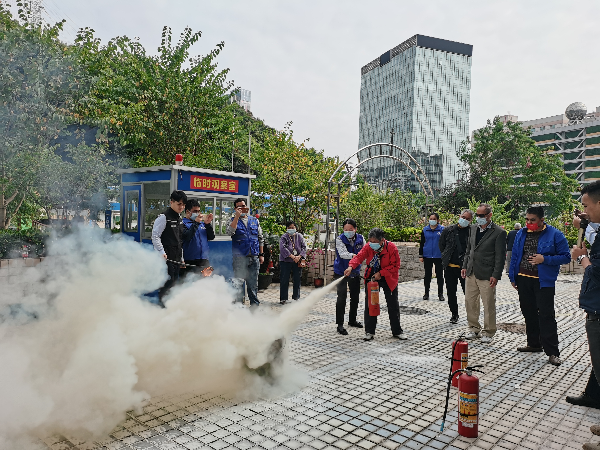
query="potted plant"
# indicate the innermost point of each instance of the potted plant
(313, 257)
(264, 280)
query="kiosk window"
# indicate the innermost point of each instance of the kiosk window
(156, 201)
(223, 214)
(132, 204)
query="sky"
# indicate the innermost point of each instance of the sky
(301, 60)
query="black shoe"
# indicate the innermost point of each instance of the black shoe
(454, 318)
(426, 296)
(441, 298)
(283, 302)
(341, 330)
(584, 400)
(355, 324)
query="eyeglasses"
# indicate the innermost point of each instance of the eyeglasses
(481, 215)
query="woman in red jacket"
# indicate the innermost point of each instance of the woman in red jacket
(383, 263)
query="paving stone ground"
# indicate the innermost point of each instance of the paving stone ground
(387, 394)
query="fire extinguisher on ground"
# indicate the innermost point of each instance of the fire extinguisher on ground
(468, 391)
(373, 297)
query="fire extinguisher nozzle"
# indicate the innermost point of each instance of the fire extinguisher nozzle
(442, 427)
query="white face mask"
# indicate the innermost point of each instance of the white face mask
(481, 221)
(193, 216)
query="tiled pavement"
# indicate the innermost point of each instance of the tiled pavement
(387, 394)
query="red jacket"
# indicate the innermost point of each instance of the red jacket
(389, 262)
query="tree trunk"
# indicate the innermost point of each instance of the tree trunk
(2, 212)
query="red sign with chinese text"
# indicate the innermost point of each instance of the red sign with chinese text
(214, 184)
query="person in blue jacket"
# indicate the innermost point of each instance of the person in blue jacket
(430, 255)
(537, 254)
(198, 230)
(347, 246)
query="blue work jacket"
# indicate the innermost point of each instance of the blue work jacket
(430, 242)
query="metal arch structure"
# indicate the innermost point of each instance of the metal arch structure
(417, 171)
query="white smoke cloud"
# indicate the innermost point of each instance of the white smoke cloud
(79, 346)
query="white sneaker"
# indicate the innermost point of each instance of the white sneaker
(400, 336)
(368, 337)
(472, 335)
(486, 339)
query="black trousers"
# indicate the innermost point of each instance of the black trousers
(173, 271)
(342, 294)
(452, 278)
(439, 273)
(537, 306)
(287, 268)
(391, 298)
(592, 328)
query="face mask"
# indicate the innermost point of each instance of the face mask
(433, 223)
(349, 234)
(374, 245)
(243, 215)
(533, 226)
(481, 221)
(464, 223)
(291, 230)
(194, 215)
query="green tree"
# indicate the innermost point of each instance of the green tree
(291, 181)
(36, 82)
(158, 106)
(503, 162)
(389, 209)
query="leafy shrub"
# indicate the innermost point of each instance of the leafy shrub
(12, 242)
(408, 234)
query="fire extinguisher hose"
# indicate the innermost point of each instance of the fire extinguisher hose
(468, 370)
(450, 379)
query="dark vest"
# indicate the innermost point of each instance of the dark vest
(171, 236)
(339, 265)
(589, 297)
(245, 240)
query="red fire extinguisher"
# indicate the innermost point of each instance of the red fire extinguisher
(373, 297)
(468, 404)
(460, 357)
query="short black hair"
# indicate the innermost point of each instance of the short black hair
(178, 196)
(237, 200)
(191, 203)
(290, 222)
(592, 190)
(376, 233)
(537, 210)
(437, 216)
(349, 221)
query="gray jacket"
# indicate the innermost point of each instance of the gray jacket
(486, 259)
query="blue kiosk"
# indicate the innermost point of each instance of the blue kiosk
(145, 194)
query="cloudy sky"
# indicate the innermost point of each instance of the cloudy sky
(302, 59)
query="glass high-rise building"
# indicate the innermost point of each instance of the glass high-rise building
(419, 90)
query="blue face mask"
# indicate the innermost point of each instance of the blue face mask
(481, 221)
(291, 230)
(194, 215)
(433, 223)
(464, 223)
(374, 245)
(349, 234)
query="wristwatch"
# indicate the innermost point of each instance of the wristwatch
(580, 258)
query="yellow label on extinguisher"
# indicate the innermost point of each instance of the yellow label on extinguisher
(464, 358)
(467, 408)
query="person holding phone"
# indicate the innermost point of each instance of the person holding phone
(197, 231)
(247, 249)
